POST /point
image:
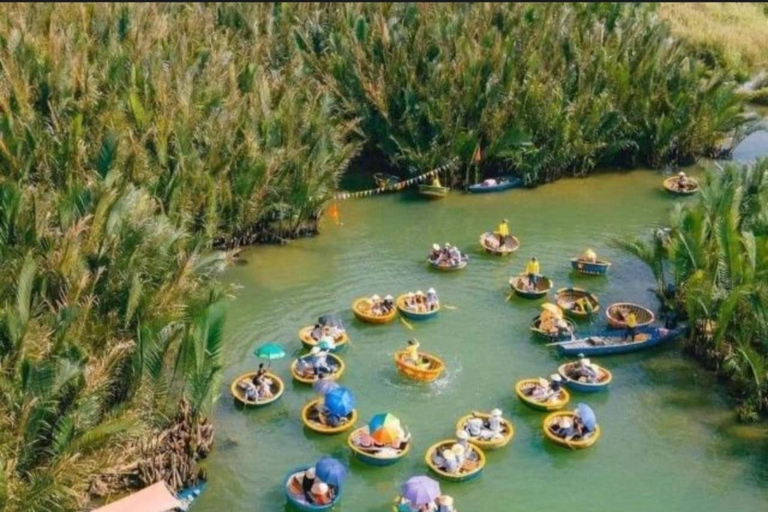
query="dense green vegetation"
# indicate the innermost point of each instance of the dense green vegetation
(135, 137)
(711, 265)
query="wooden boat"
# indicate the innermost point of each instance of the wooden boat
(239, 394)
(613, 342)
(322, 428)
(573, 443)
(469, 470)
(188, 495)
(553, 404)
(591, 268)
(436, 367)
(295, 495)
(518, 284)
(362, 311)
(433, 191)
(305, 335)
(552, 337)
(603, 375)
(617, 312)
(489, 241)
(374, 458)
(384, 180)
(566, 299)
(501, 185)
(335, 363)
(450, 268)
(670, 184)
(507, 433)
(415, 315)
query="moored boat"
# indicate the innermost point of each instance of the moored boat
(613, 342)
(672, 185)
(312, 419)
(363, 448)
(519, 285)
(577, 302)
(428, 371)
(582, 385)
(238, 392)
(490, 243)
(552, 335)
(295, 494)
(334, 363)
(305, 335)
(384, 180)
(617, 314)
(471, 468)
(362, 310)
(502, 184)
(576, 443)
(188, 495)
(592, 268)
(415, 315)
(505, 437)
(433, 191)
(552, 403)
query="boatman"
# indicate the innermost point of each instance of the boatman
(631, 326)
(532, 270)
(502, 231)
(682, 181)
(589, 256)
(412, 351)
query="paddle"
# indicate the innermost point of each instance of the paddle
(557, 343)
(450, 307)
(405, 322)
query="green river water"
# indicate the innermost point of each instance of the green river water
(670, 441)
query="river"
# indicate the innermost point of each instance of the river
(670, 441)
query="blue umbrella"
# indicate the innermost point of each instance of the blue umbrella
(421, 490)
(324, 386)
(330, 471)
(340, 401)
(587, 416)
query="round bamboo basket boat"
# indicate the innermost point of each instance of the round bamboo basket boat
(551, 405)
(604, 378)
(415, 315)
(372, 458)
(239, 394)
(322, 428)
(671, 186)
(536, 328)
(449, 268)
(494, 444)
(464, 474)
(543, 285)
(511, 244)
(574, 444)
(436, 367)
(363, 313)
(616, 313)
(305, 335)
(295, 495)
(339, 371)
(566, 298)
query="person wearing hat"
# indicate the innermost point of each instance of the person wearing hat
(583, 369)
(474, 427)
(388, 304)
(589, 256)
(461, 454)
(435, 254)
(321, 493)
(375, 304)
(555, 386)
(682, 181)
(631, 321)
(502, 231)
(412, 351)
(564, 428)
(450, 462)
(410, 300)
(307, 483)
(319, 360)
(532, 270)
(463, 440)
(259, 377)
(445, 504)
(495, 423)
(420, 302)
(432, 300)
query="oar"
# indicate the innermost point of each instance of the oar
(557, 343)
(405, 322)
(509, 297)
(449, 307)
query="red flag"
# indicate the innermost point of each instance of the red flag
(333, 211)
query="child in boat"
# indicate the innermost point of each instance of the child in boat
(432, 300)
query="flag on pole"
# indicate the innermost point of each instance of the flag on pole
(333, 212)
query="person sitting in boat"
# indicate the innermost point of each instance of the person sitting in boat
(461, 454)
(432, 301)
(547, 322)
(250, 390)
(419, 300)
(580, 426)
(562, 327)
(376, 306)
(388, 304)
(462, 439)
(532, 271)
(496, 423)
(321, 493)
(308, 480)
(449, 462)
(317, 332)
(260, 375)
(564, 427)
(556, 385)
(436, 252)
(588, 256)
(410, 300)
(265, 389)
(454, 256)
(445, 504)
(584, 371)
(319, 360)
(490, 182)
(474, 427)
(682, 181)
(631, 321)
(502, 231)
